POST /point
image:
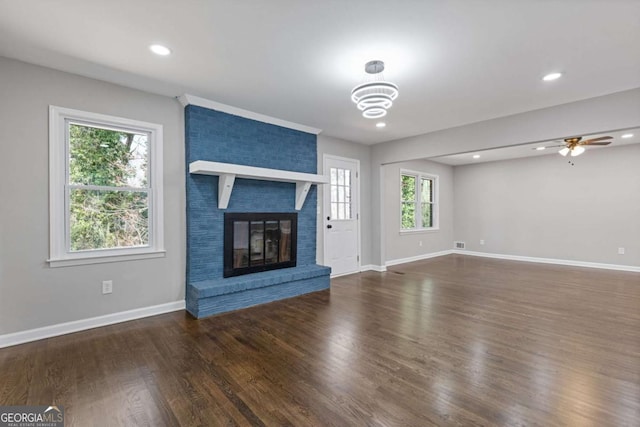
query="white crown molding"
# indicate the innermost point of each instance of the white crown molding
(187, 99)
(570, 263)
(417, 258)
(84, 324)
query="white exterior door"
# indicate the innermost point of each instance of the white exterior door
(341, 215)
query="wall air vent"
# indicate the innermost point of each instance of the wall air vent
(458, 245)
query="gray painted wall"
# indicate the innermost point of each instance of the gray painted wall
(33, 295)
(544, 207)
(351, 150)
(610, 112)
(405, 245)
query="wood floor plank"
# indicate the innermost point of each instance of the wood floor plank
(450, 341)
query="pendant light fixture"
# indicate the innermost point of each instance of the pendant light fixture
(375, 96)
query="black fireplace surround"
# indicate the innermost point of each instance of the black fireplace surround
(255, 242)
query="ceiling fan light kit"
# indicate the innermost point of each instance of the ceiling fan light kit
(575, 145)
(376, 96)
(577, 151)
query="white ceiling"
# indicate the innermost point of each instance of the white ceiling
(455, 62)
(529, 150)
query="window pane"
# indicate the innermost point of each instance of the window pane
(408, 215)
(340, 210)
(427, 190)
(240, 244)
(108, 219)
(408, 188)
(341, 194)
(334, 193)
(334, 210)
(107, 157)
(347, 177)
(347, 211)
(427, 215)
(340, 176)
(347, 194)
(334, 176)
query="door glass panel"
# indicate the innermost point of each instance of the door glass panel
(340, 194)
(334, 176)
(334, 210)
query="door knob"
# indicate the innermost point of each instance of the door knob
(329, 226)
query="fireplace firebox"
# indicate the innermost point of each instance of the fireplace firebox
(255, 242)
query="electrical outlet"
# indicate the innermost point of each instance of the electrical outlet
(620, 251)
(107, 286)
(481, 242)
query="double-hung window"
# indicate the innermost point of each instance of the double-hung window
(418, 201)
(105, 190)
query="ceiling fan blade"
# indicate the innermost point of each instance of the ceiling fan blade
(597, 143)
(602, 138)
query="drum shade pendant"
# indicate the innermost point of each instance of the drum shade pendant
(375, 96)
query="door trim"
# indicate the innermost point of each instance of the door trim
(326, 193)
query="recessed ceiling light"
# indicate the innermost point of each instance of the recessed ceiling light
(552, 76)
(158, 49)
(476, 156)
(380, 124)
(540, 148)
(627, 135)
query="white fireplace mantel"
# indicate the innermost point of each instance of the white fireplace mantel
(228, 172)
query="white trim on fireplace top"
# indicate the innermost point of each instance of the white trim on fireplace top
(187, 99)
(228, 172)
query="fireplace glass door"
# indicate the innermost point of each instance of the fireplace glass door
(256, 242)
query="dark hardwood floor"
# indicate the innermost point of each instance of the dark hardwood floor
(455, 340)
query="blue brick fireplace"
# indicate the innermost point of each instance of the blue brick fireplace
(221, 137)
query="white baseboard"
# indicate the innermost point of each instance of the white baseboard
(418, 257)
(551, 261)
(84, 324)
(372, 267)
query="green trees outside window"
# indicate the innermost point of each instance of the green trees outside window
(408, 198)
(108, 188)
(417, 199)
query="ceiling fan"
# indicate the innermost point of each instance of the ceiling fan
(575, 145)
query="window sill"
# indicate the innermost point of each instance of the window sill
(420, 231)
(103, 258)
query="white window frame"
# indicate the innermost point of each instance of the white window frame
(418, 211)
(59, 230)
